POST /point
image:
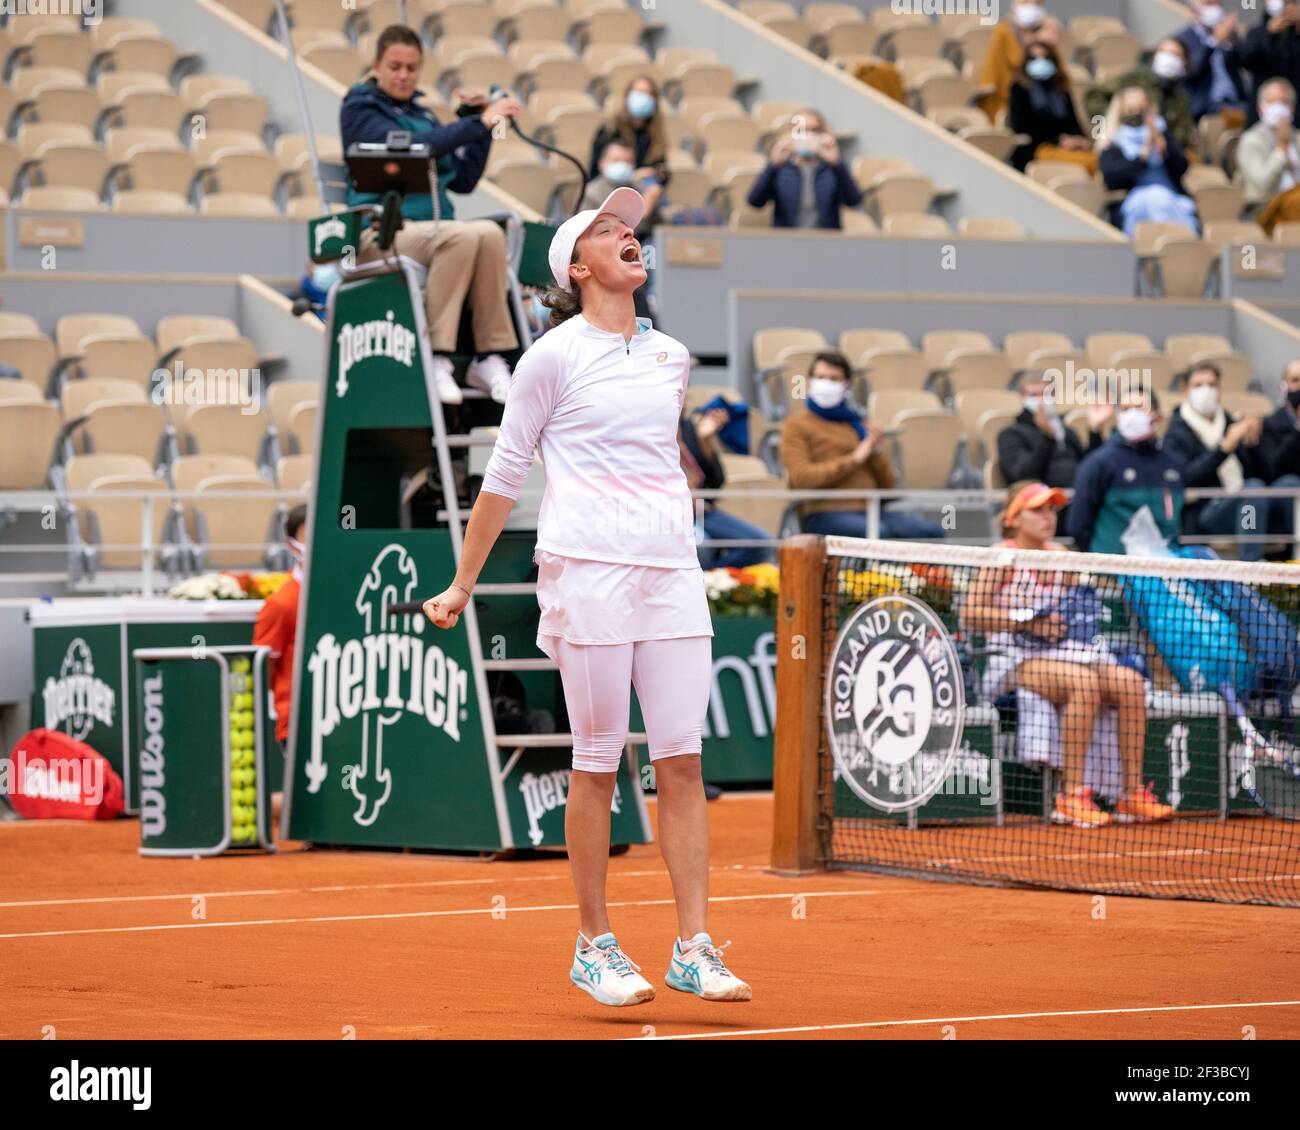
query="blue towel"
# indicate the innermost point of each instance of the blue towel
(735, 432)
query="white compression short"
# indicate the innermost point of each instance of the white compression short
(671, 677)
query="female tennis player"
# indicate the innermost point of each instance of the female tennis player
(619, 584)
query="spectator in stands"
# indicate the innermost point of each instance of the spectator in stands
(1214, 79)
(639, 124)
(1163, 82)
(1037, 446)
(1220, 451)
(1272, 47)
(1269, 158)
(831, 447)
(277, 624)
(806, 177)
(704, 471)
(466, 259)
(1281, 435)
(1145, 163)
(1041, 108)
(1028, 23)
(617, 168)
(1128, 484)
(1042, 641)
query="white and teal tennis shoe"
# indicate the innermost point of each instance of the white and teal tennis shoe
(607, 973)
(699, 969)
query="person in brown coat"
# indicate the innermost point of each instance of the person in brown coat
(830, 446)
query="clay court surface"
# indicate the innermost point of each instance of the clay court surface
(103, 944)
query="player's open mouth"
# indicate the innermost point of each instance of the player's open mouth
(630, 254)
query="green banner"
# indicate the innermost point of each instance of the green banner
(77, 686)
(737, 745)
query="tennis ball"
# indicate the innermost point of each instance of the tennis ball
(238, 814)
(241, 665)
(249, 796)
(244, 833)
(245, 701)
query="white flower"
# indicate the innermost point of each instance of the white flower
(717, 582)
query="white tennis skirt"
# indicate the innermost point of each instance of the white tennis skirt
(601, 602)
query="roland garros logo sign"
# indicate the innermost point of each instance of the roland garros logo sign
(894, 703)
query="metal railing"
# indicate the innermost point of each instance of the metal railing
(870, 502)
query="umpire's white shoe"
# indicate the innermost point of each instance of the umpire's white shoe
(699, 969)
(491, 374)
(444, 380)
(607, 973)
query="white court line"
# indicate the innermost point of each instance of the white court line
(969, 1019)
(190, 895)
(508, 910)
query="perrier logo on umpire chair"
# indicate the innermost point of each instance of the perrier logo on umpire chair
(393, 741)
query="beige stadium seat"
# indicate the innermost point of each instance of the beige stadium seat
(614, 26)
(884, 406)
(946, 90)
(293, 473)
(915, 69)
(71, 330)
(991, 424)
(22, 28)
(234, 531)
(58, 47)
(1235, 233)
(853, 343)
(823, 17)
(194, 88)
(867, 168)
(795, 30)
(969, 369)
(1101, 347)
(147, 106)
(849, 43)
(615, 78)
(1140, 364)
(1185, 265)
(60, 199)
(110, 27)
(996, 141)
(175, 330)
(135, 427)
(188, 471)
(28, 432)
(26, 81)
(34, 137)
(125, 356)
(748, 473)
(143, 201)
(600, 56)
(215, 429)
(19, 391)
(113, 85)
(302, 426)
(207, 147)
(1248, 404)
(161, 169)
(79, 397)
(938, 345)
(69, 165)
(699, 395)
(378, 14)
(115, 526)
(854, 222)
(10, 162)
(910, 40)
(915, 226)
(229, 109)
(926, 448)
(990, 227)
(970, 45)
(1046, 172)
(892, 368)
(32, 354)
(283, 396)
(1112, 52)
(259, 13)
(329, 14)
(1181, 348)
(573, 130)
(955, 119)
(304, 207)
(1287, 234)
(14, 322)
(1090, 195)
(770, 344)
(54, 102)
(224, 360)
(547, 104)
(725, 131)
(700, 78)
(291, 150)
(1236, 370)
(891, 193)
(1219, 202)
(238, 204)
(251, 171)
(341, 62)
(1057, 360)
(120, 143)
(530, 183)
(1202, 176)
(1018, 346)
(143, 53)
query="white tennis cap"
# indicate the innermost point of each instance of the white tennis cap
(626, 203)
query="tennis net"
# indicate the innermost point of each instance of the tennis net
(1066, 720)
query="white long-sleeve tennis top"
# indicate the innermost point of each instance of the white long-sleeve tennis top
(603, 411)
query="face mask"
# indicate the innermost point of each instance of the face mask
(297, 549)
(1204, 400)
(1210, 15)
(1293, 398)
(806, 146)
(1029, 15)
(1168, 66)
(640, 104)
(826, 392)
(1133, 121)
(1273, 114)
(618, 172)
(1134, 424)
(1275, 7)
(1040, 69)
(324, 276)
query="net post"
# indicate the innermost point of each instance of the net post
(795, 776)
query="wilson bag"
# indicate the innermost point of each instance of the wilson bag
(52, 776)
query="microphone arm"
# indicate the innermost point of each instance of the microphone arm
(497, 92)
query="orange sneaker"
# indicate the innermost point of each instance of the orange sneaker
(1078, 808)
(1141, 806)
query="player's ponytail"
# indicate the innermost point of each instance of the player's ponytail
(563, 304)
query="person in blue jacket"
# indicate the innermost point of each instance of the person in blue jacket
(1128, 473)
(805, 177)
(466, 259)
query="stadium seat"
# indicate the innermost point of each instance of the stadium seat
(302, 427)
(223, 429)
(984, 439)
(175, 330)
(293, 473)
(32, 354)
(884, 406)
(937, 345)
(1018, 346)
(79, 398)
(29, 431)
(132, 427)
(114, 527)
(238, 204)
(284, 395)
(126, 356)
(1185, 263)
(1181, 348)
(1101, 347)
(908, 225)
(143, 53)
(20, 391)
(232, 532)
(63, 164)
(970, 369)
(926, 447)
(120, 143)
(887, 368)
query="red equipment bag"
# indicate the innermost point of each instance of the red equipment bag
(52, 776)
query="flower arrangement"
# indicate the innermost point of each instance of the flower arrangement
(228, 586)
(743, 592)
